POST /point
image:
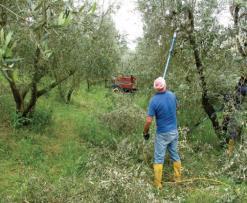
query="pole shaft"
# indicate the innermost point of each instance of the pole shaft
(170, 53)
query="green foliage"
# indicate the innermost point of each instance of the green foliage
(55, 40)
(28, 152)
(4, 149)
(235, 166)
(93, 8)
(5, 108)
(92, 150)
(18, 121)
(35, 189)
(221, 62)
(102, 51)
(73, 158)
(37, 122)
(91, 131)
(79, 158)
(126, 118)
(201, 196)
(5, 48)
(41, 119)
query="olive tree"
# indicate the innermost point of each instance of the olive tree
(204, 59)
(33, 58)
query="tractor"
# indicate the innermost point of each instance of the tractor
(124, 84)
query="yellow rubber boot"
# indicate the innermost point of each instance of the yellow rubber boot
(230, 147)
(177, 171)
(158, 170)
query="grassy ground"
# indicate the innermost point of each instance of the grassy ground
(72, 155)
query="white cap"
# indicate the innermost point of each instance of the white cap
(159, 84)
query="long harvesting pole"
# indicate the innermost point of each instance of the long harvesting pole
(170, 53)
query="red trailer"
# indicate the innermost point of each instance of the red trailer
(124, 84)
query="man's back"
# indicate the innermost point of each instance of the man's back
(163, 107)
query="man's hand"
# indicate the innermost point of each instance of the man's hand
(146, 136)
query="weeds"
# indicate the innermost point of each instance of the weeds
(95, 133)
(235, 166)
(125, 120)
(26, 152)
(86, 157)
(36, 122)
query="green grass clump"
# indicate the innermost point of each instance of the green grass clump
(94, 132)
(72, 159)
(28, 152)
(36, 122)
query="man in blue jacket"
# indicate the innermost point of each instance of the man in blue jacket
(163, 106)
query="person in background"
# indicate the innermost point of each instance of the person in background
(163, 106)
(232, 126)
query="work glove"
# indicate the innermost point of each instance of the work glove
(146, 136)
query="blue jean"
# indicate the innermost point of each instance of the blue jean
(165, 141)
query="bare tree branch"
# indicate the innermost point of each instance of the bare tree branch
(54, 84)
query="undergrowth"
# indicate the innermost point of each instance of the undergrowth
(80, 154)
